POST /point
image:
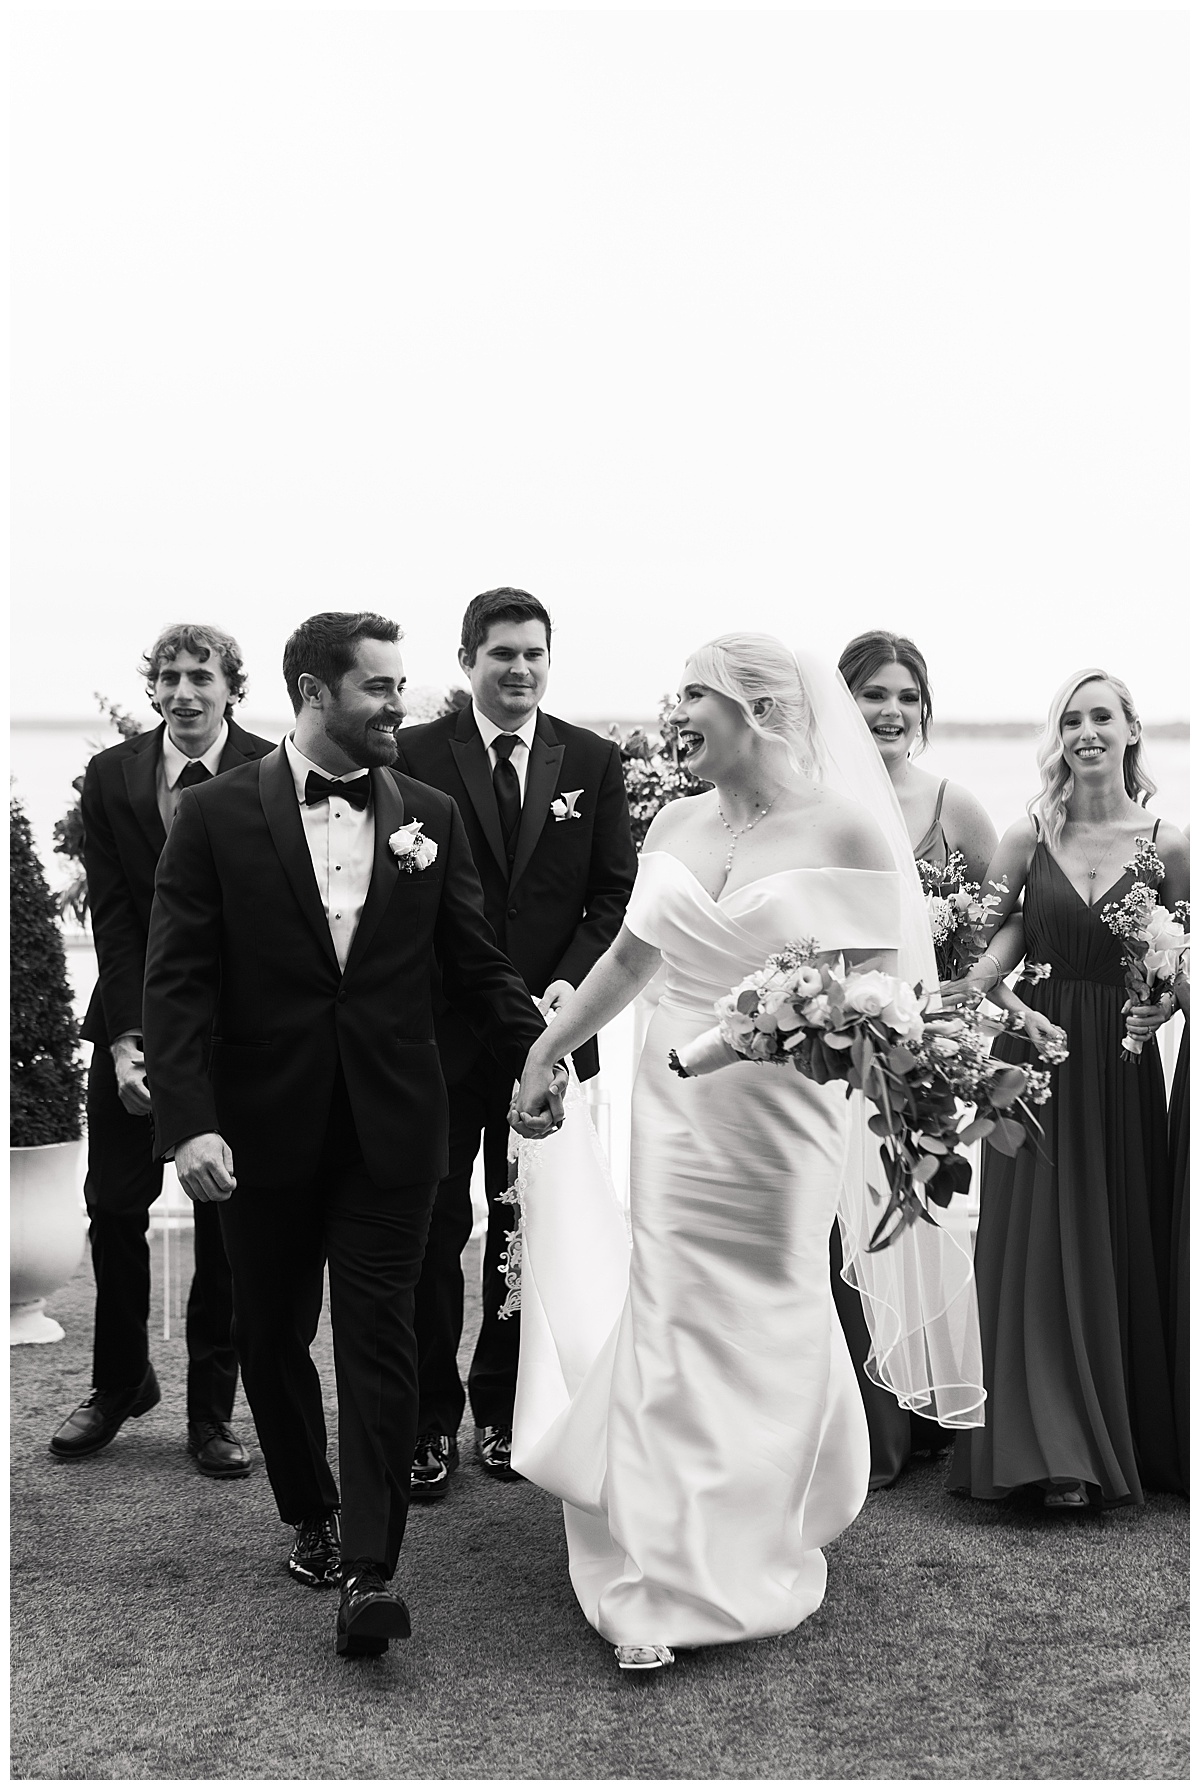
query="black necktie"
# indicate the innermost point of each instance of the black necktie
(319, 789)
(507, 786)
(192, 773)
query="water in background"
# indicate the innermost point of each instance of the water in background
(999, 768)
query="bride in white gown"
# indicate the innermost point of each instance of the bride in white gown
(690, 1396)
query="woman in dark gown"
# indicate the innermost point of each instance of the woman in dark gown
(1178, 1293)
(888, 679)
(1075, 1257)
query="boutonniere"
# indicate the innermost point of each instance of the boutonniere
(413, 851)
(563, 806)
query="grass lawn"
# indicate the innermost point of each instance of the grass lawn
(155, 1633)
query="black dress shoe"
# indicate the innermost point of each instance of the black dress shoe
(316, 1559)
(217, 1452)
(435, 1458)
(495, 1451)
(94, 1423)
(369, 1616)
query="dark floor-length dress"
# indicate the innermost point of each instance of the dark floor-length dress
(896, 1434)
(1073, 1259)
(1179, 1290)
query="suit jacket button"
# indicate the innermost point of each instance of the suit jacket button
(341, 996)
(512, 913)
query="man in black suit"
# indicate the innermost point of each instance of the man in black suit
(548, 821)
(303, 908)
(130, 795)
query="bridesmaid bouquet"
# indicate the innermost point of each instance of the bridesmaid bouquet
(1154, 939)
(959, 913)
(872, 1031)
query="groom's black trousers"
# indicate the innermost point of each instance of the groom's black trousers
(279, 1240)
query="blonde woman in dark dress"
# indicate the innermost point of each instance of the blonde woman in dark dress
(1074, 1259)
(888, 679)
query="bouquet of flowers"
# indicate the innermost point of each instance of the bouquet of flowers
(1154, 939)
(872, 1031)
(652, 771)
(959, 913)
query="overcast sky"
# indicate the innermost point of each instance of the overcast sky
(807, 322)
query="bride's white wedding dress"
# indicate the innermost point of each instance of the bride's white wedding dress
(690, 1396)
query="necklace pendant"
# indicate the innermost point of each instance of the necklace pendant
(1091, 876)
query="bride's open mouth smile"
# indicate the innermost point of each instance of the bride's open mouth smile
(689, 743)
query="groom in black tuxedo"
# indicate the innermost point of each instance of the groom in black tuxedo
(304, 908)
(548, 823)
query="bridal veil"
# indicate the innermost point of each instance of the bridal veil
(918, 1293)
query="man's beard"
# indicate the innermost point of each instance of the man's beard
(365, 744)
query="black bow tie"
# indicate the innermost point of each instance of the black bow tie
(319, 789)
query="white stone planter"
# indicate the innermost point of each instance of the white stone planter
(47, 1229)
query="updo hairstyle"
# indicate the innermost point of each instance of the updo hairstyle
(745, 667)
(868, 653)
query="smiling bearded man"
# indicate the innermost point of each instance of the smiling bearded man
(305, 911)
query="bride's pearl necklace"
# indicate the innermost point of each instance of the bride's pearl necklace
(735, 833)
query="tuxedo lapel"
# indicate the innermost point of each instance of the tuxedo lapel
(541, 780)
(471, 759)
(234, 751)
(141, 785)
(387, 806)
(277, 793)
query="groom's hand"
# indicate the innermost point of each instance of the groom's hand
(204, 1165)
(554, 997)
(537, 1108)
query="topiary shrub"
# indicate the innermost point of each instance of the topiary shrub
(45, 1071)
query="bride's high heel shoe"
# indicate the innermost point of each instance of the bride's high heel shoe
(643, 1659)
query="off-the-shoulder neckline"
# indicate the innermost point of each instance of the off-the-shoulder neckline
(774, 876)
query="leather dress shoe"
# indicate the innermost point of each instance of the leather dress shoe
(495, 1451)
(435, 1458)
(94, 1423)
(217, 1452)
(316, 1558)
(369, 1616)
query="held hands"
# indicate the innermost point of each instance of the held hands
(555, 995)
(130, 1065)
(537, 1107)
(204, 1165)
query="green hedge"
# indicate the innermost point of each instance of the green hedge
(46, 1073)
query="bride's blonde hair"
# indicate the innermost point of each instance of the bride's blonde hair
(1049, 805)
(747, 667)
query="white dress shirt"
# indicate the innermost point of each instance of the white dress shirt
(520, 753)
(341, 844)
(171, 765)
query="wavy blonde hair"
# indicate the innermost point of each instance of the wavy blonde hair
(745, 667)
(1049, 805)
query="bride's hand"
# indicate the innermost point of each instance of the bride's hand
(537, 1107)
